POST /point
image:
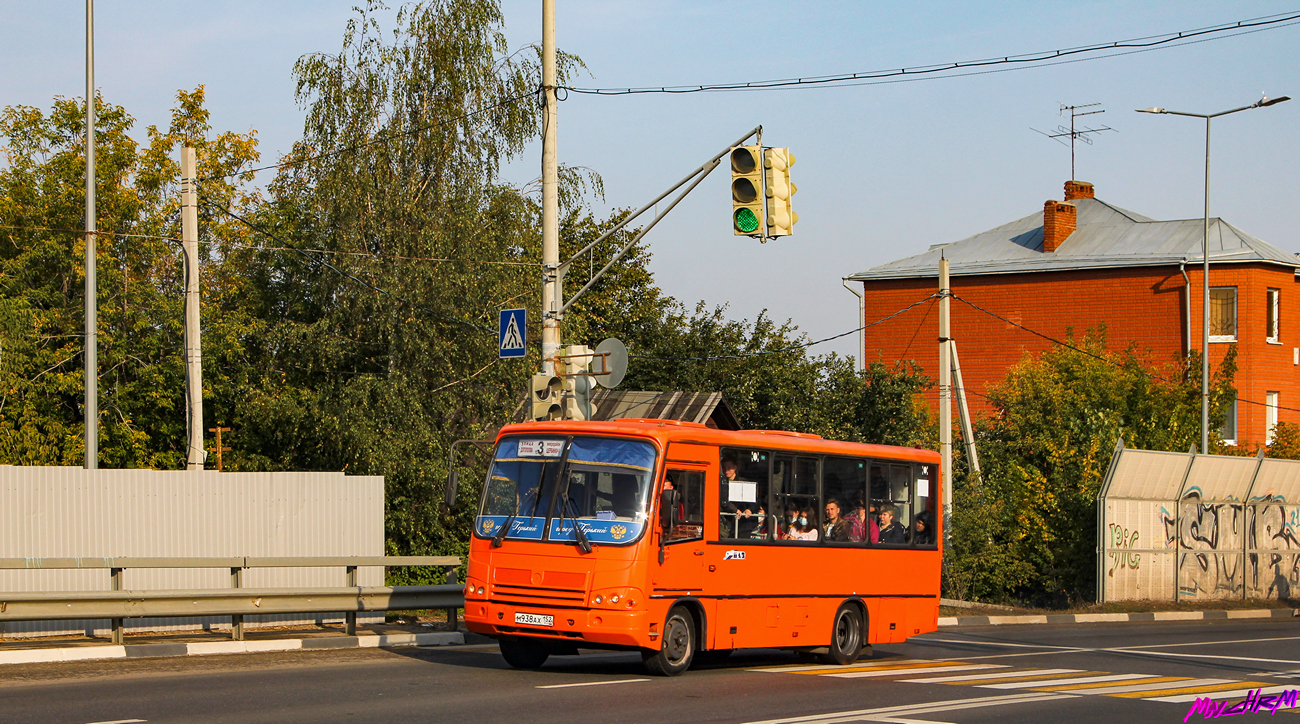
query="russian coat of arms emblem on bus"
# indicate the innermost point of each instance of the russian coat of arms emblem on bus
(618, 531)
(488, 525)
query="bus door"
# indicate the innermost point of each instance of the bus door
(682, 570)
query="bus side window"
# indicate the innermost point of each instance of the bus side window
(923, 526)
(844, 482)
(689, 485)
(900, 494)
(743, 488)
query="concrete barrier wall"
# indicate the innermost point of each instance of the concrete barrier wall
(49, 512)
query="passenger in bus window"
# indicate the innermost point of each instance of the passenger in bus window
(804, 528)
(737, 520)
(890, 530)
(837, 528)
(924, 530)
(857, 522)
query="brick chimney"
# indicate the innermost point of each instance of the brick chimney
(1079, 190)
(1060, 218)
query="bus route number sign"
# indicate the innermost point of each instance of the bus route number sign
(540, 448)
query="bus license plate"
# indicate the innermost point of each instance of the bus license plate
(533, 619)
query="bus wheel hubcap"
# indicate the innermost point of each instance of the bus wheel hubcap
(677, 643)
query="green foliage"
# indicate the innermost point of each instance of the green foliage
(42, 198)
(1026, 531)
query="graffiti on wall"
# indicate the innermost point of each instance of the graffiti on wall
(1122, 541)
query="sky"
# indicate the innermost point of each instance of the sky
(884, 170)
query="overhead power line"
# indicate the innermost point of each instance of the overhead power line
(944, 70)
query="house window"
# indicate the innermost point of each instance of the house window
(1223, 314)
(1272, 314)
(1229, 430)
(1270, 416)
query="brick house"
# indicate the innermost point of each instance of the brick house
(1082, 262)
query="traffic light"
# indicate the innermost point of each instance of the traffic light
(747, 191)
(780, 213)
(546, 391)
(577, 385)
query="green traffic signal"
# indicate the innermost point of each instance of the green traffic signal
(746, 221)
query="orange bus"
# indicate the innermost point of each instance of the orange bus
(685, 542)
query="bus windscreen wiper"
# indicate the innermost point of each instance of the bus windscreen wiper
(500, 536)
(581, 537)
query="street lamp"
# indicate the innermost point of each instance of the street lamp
(1205, 255)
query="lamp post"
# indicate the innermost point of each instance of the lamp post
(1205, 255)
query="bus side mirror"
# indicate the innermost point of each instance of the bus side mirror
(453, 484)
(668, 510)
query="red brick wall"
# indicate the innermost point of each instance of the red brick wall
(1143, 306)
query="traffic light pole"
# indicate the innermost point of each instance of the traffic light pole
(553, 279)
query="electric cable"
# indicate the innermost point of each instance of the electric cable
(1150, 42)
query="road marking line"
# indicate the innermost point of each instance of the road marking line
(1065, 681)
(908, 671)
(925, 708)
(1105, 687)
(1026, 676)
(1225, 689)
(1002, 643)
(1210, 643)
(591, 683)
(823, 667)
(1231, 694)
(120, 721)
(1207, 656)
(1140, 689)
(1003, 675)
(897, 667)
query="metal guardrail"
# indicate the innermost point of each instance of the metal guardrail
(119, 604)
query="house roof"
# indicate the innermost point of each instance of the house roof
(1106, 236)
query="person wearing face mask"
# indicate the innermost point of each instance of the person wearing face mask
(804, 528)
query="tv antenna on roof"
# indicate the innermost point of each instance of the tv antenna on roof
(1075, 133)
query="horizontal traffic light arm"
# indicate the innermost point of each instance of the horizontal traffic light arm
(697, 175)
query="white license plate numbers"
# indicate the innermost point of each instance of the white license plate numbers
(532, 619)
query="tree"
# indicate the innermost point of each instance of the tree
(139, 280)
(1025, 530)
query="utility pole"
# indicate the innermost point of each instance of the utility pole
(945, 398)
(193, 352)
(220, 448)
(552, 292)
(91, 407)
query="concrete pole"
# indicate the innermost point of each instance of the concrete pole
(91, 408)
(552, 291)
(945, 399)
(963, 410)
(193, 351)
(1205, 316)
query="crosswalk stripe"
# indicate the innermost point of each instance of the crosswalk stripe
(1066, 680)
(1032, 676)
(895, 672)
(1227, 689)
(832, 667)
(901, 669)
(1002, 675)
(1143, 690)
(1264, 691)
(1131, 683)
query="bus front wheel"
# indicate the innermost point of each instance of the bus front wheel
(678, 646)
(523, 654)
(846, 636)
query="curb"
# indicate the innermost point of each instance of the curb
(948, 621)
(208, 648)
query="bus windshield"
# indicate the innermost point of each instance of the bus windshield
(541, 485)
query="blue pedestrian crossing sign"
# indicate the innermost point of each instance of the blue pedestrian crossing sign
(514, 325)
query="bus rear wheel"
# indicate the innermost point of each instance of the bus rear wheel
(846, 636)
(522, 654)
(677, 648)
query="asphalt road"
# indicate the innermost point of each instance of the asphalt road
(1090, 673)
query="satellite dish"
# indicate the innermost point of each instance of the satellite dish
(610, 363)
